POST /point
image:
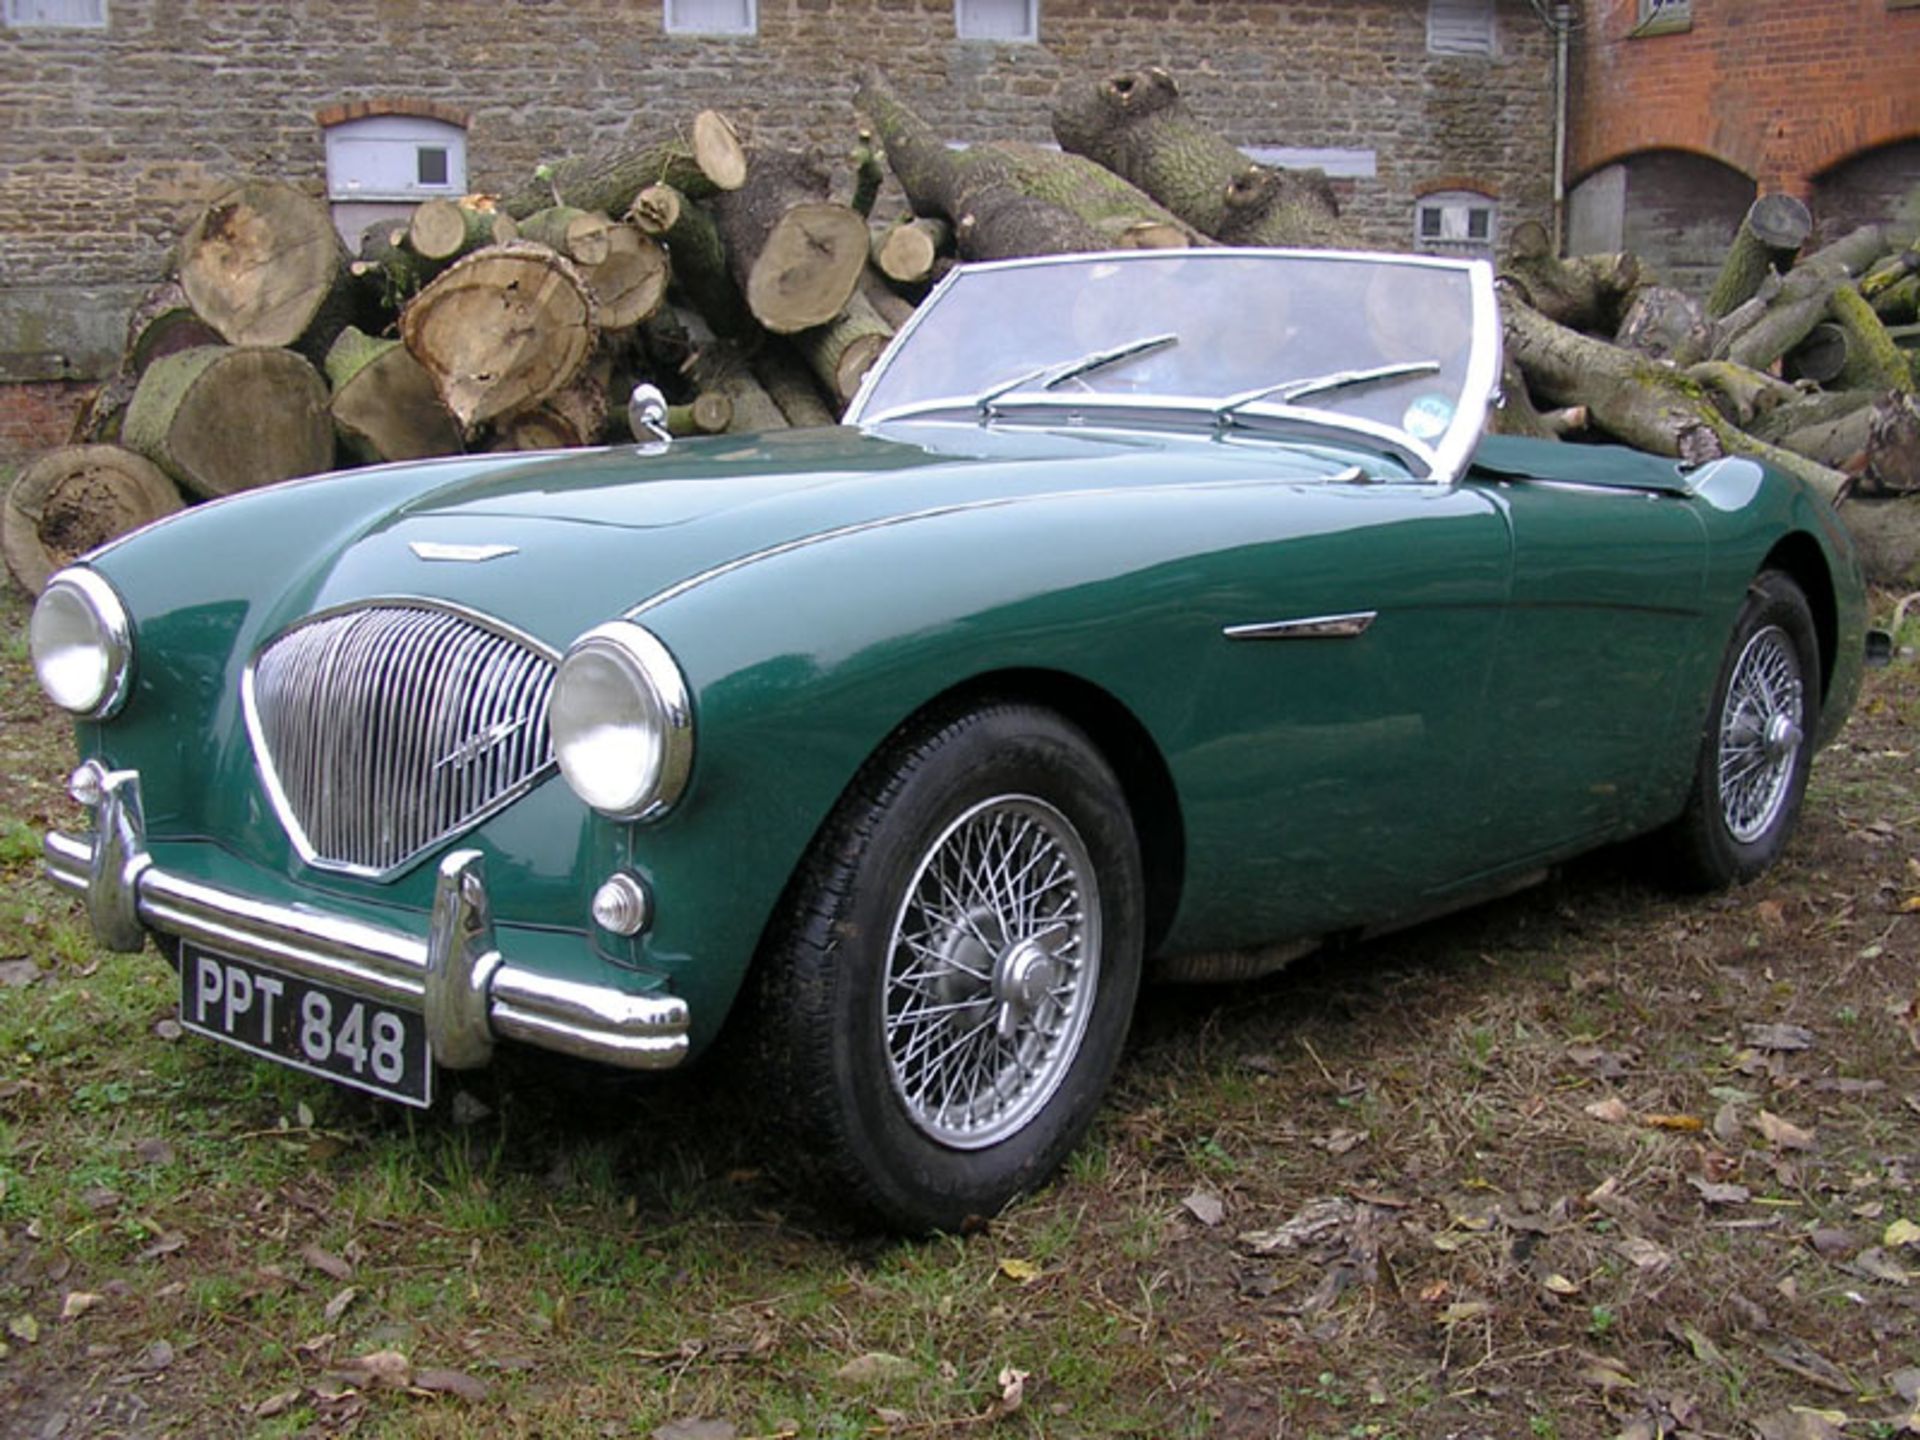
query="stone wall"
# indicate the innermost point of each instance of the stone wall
(110, 140)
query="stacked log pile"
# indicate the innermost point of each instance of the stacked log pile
(1805, 363)
(755, 287)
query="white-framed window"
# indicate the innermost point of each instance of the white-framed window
(395, 157)
(54, 14)
(1456, 222)
(1004, 20)
(1663, 17)
(1460, 27)
(712, 17)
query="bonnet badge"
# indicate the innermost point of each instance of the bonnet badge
(468, 554)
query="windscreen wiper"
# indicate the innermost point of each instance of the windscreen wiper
(1048, 376)
(1290, 390)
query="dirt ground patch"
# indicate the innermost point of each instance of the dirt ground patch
(1591, 1162)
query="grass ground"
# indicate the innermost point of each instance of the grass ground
(1591, 1162)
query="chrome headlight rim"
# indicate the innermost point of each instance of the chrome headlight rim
(658, 683)
(112, 631)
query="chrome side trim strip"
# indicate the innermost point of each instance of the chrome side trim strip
(1319, 627)
(468, 992)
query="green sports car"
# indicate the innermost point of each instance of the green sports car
(1160, 609)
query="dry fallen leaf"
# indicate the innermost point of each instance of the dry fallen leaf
(379, 1367)
(1900, 1232)
(1720, 1193)
(275, 1404)
(873, 1367)
(696, 1430)
(1561, 1285)
(337, 1306)
(1643, 1254)
(451, 1382)
(1782, 1134)
(24, 1328)
(1687, 1123)
(77, 1303)
(1025, 1271)
(1206, 1207)
(1777, 1037)
(1612, 1110)
(1881, 1266)
(326, 1262)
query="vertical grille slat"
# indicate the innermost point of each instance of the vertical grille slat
(386, 729)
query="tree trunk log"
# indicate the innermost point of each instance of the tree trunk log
(1588, 293)
(703, 415)
(1819, 358)
(1818, 408)
(1665, 324)
(221, 420)
(905, 252)
(1775, 228)
(579, 235)
(384, 404)
(706, 162)
(1007, 199)
(1887, 533)
(1743, 396)
(1137, 125)
(1899, 303)
(631, 282)
(789, 382)
(261, 264)
(1873, 362)
(699, 257)
(719, 365)
(1804, 299)
(444, 230)
(70, 500)
(842, 351)
(501, 330)
(869, 174)
(795, 255)
(1893, 446)
(163, 323)
(1648, 405)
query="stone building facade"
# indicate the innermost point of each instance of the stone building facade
(116, 125)
(1685, 110)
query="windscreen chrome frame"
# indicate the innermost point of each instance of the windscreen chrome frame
(1443, 463)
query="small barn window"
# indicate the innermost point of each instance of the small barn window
(712, 17)
(395, 157)
(1460, 27)
(1005, 20)
(55, 14)
(1456, 222)
(1663, 17)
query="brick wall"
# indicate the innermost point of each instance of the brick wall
(37, 416)
(110, 140)
(1779, 89)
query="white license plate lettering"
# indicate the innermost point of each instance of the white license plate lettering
(306, 1024)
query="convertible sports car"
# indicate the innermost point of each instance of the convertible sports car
(1162, 607)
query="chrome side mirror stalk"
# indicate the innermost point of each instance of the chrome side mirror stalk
(647, 413)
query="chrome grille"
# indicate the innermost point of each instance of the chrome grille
(383, 730)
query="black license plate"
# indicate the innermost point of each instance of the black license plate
(311, 1026)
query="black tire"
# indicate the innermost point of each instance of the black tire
(851, 1025)
(1756, 744)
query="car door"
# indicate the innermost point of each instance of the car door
(1606, 593)
(1330, 759)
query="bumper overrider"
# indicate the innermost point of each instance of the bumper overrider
(469, 994)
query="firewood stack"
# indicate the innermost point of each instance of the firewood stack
(744, 283)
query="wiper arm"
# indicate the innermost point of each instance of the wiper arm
(1048, 376)
(1289, 390)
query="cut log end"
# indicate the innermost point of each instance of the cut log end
(259, 263)
(718, 151)
(809, 266)
(71, 500)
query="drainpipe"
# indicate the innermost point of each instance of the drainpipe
(1562, 26)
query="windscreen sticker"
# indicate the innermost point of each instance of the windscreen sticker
(1428, 417)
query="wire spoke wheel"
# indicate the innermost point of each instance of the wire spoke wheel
(992, 971)
(1762, 726)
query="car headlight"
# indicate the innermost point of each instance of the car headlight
(82, 644)
(621, 722)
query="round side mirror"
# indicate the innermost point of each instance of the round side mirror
(647, 413)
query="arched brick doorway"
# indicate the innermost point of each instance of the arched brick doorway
(1871, 187)
(1675, 209)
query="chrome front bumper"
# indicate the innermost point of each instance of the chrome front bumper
(469, 993)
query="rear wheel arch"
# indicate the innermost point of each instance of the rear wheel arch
(1798, 556)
